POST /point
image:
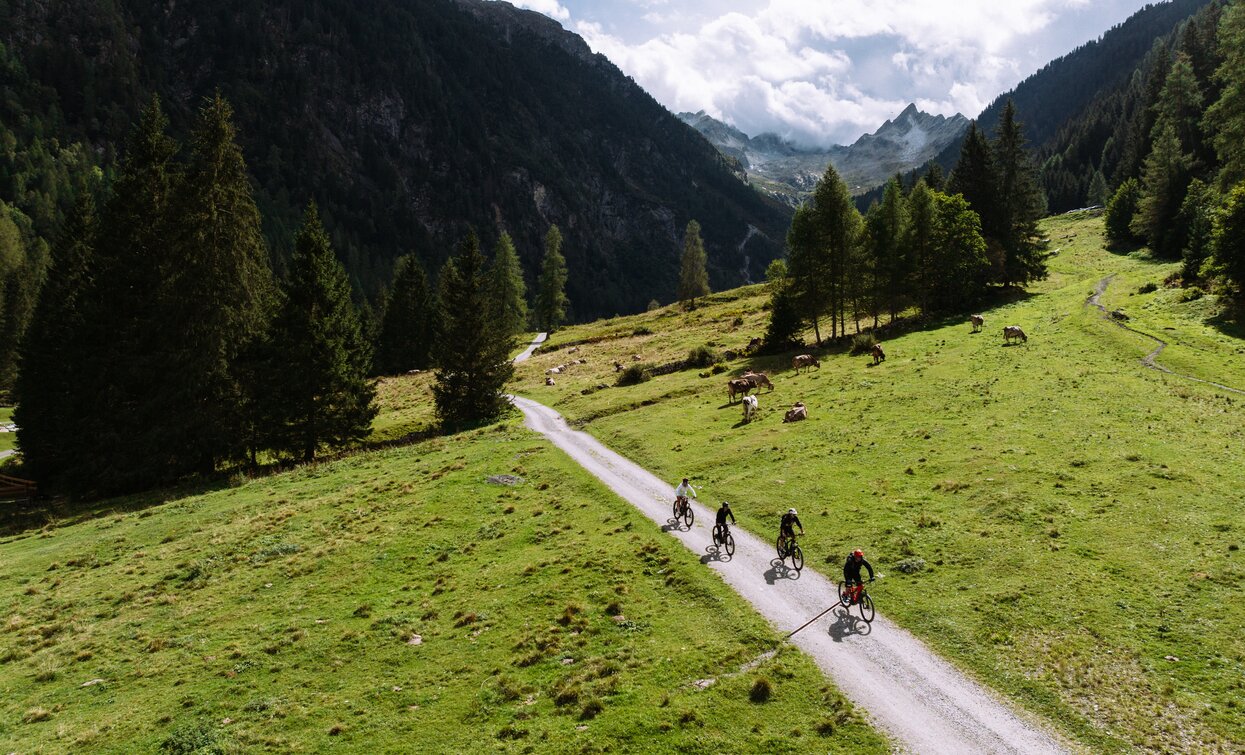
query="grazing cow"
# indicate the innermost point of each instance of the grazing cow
(549, 381)
(737, 387)
(635, 357)
(617, 366)
(805, 360)
(879, 356)
(754, 344)
(750, 408)
(554, 371)
(796, 413)
(1014, 332)
(978, 321)
(757, 379)
(573, 350)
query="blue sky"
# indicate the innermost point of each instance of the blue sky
(826, 71)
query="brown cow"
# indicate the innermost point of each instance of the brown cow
(796, 413)
(879, 356)
(978, 321)
(804, 360)
(737, 387)
(1014, 331)
(757, 379)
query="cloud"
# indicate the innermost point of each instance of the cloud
(551, 8)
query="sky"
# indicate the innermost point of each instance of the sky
(823, 72)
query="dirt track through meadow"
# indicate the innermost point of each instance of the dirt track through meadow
(917, 698)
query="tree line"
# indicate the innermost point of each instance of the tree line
(162, 345)
(932, 247)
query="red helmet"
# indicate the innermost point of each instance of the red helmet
(858, 552)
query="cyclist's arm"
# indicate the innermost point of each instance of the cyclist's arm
(731, 514)
(798, 524)
(692, 490)
(868, 566)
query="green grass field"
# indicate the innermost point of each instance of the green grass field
(394, 601)
(7, 440)
(1070, 519)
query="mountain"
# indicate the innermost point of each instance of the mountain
(407, 121)
(789, 172)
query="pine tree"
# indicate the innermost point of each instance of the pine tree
(1098, 193)
(319, 391)
(472, 352)
(551, 289)
(1197, 215)
(933, 177)
(219, 300)
(408, 325)
(50, 399)
(808, 276)
(1020, 204)
(1180, 104)
(976, 179)
(891, 257)
(1120, 211)
(1229, 238)
(508, 290)
(839, 228)
(693, 275)
(960, 268)
(919, 241)
(1225, 119)
(1164, 179)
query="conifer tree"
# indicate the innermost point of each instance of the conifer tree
(472, 352)
(319, 391)
(408, 325)
(976, 179)
(1225, 118)
(1020, 204)
(933, 177)
(891, 257)
(919, 240)
(508, 290)
(551, 291)
(1164, 179)
(1197, 214)
(1229, 238)
(1098, 192)
(806, 291)
(219, 299)
(960, 270)
(1120, 211)
(1180, 104)
(50, 399)
(693, 275)
(839, 227)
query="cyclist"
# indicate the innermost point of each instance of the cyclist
(721, 528)
(786, 528)
(851, 574)
(682, 492)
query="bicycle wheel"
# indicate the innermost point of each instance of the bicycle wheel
(730, 544)
(676, 509)
(866, 607)
(782, 553)
(844, 597)
(688, 515)
(797, 558)
(717, 535)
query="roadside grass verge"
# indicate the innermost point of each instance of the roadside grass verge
(1078, 515)
(8, 441)
(394, 601)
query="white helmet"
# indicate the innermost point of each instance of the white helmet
(726, 504)
(791, 511)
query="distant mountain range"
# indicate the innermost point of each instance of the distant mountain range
(789, 172)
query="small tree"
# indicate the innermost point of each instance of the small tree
(409, 322)
(507, 287)
(1098, 194)
(1120, 211)
(320, 394)
(693, 275)
(1197, 216)
(472, 350)
(1229, 238)
(551, 291)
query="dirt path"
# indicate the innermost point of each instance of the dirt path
(920, 700)
(1149, 359)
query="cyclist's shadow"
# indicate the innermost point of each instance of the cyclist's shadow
(673, 525)
(714, 553)
(777, 570)
(847, 625)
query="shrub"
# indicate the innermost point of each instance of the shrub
(1192, 294)
(634, 375)
(719, 368)
(761, 690)
(653, 304)
(911, 565)
(198, 737)
(643, 330)
(863, 343)
(702, 356)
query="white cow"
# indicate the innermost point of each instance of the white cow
(1014, 332)
(750, 408)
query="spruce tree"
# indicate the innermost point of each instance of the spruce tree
(1180, 104)
(1225, 118)
(1098, 192)
(961, 270)
(976, 179)
(508, 290)
(919, 241)
(219, 300)
(693, 275)
(1120, 211)
(409, 321)
(1020, 204)
(1164, 180)
(1197, 214)
(472, 350)
(806, 289)
(551, 289)
(839, 227)
(892, 259)
(1229, 238)
(319, 391)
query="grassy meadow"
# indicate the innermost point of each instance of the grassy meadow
(8, 441)
(393, 601)
(1053, 517)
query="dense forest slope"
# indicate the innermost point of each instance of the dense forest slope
(406, 120)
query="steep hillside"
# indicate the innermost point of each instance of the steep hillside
(790, 172)
(407, 123)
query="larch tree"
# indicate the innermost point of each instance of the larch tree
(508, 290)
(319, 393)
(693, 272)
(892, 259)
(551, 288)
(472, 351)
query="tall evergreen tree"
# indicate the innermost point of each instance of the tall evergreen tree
(975, 177)
(1120, 211)
(1180, 104)
(472, 352)
(1020, 204)
(693, 275)
(1197, 214)
(1164, 179)
(1229, 238)
(919, 241)
(319, 391)
(551, 289)
(839, 228)
(1098, 192)
(508, 290)
(1225, 118)
(891, 257)
(934, 179)
(960, 271)
(219, 299)
(408, 325)
(806, 293)
(51, 402)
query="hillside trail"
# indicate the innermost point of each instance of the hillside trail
(920, 700)
(1149, 359)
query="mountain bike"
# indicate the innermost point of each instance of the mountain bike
(683, 510)
(789, 548)
(723, 538)
(862, 599)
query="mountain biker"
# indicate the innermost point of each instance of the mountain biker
(786, 528)
(723, 513)
(682, 492)
(851, 573)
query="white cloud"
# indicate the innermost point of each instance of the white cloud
(551, 8)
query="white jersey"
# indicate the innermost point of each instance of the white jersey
(684, 491)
